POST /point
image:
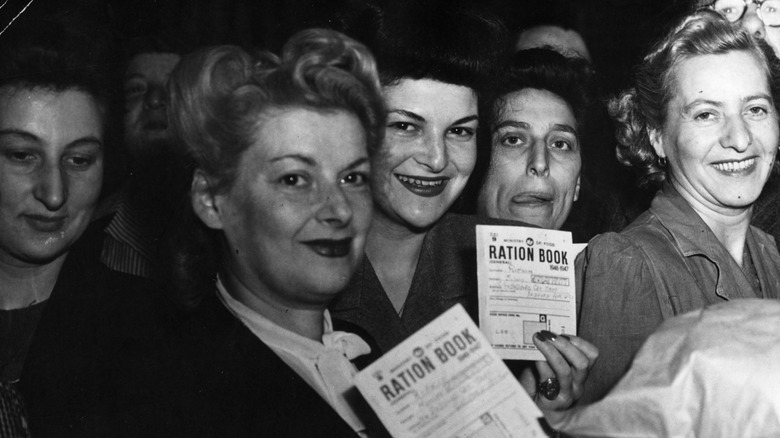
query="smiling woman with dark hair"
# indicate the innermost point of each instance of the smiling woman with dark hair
(420, 259)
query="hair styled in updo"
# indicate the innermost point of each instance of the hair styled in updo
(219, 99)
(220, 96)
(642, 108)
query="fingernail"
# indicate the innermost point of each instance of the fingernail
(545, 336)
(565, 337)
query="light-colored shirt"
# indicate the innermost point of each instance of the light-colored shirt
(325, 365)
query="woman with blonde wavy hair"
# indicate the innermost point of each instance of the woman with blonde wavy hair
(280, 189)
(702, 124)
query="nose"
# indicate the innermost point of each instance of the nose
(334, 208)
(737, 135)
(51, 187)
(539, 160)
(155, 97)
(752, 22)
(435, 157)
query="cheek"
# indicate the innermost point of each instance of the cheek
(387, 157)
(362, 209)
(132, 111)
(565, 174)
(503, 175)
(464, 157)
(84, 188)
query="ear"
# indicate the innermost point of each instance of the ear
(204, 201)
(657, 141)
(577, 190)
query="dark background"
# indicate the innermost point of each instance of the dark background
(617, 31)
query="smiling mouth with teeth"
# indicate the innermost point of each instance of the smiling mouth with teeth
(425, 187)
(420, 182)
(735, 166)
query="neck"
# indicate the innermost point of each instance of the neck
(22, 285)
(730, 229)
(306, 321)
(394, 251)
(387, 240)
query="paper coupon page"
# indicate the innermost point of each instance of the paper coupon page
(526, 284)
(446, 381)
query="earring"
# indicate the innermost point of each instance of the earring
(662, 161)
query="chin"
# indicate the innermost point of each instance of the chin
(42, 253)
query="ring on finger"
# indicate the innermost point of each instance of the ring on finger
(549, 388)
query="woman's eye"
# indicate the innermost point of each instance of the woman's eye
(563, 145)
(355, 179)
(20, 156)
(465, 133)
(757, 111)
(512, 140)
(134, 88)
(292, 180)
(704, 116)
(80, 161)
(402, 126)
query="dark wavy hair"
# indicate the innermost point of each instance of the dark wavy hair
(219, 96)
(57, 56)
(448, 41)
(571, 78)
(644, 107)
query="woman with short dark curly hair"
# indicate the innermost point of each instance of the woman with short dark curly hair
(702, 122)
(534, 123)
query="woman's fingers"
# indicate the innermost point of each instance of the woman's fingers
(569, 360)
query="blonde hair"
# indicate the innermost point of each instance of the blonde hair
(644, 107)
(220, 95)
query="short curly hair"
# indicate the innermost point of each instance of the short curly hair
(644, 107)
(450, 41)
(219, 94)
(572, 79)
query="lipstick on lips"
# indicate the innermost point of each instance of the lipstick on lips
(330, 247)
(423, 186)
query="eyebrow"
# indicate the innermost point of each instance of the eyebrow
(359, 162)
(409, 114)
(134, 76)
(310, 162)
(717, 104)
(466, 119)
(687, 108)
(513, 124)
(297, 157)
(565, 128)
(523, 125)
(420, 118)
(27, 136)
(758, 96)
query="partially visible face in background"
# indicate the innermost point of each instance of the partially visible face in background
(566, 41)
(761, 18)
(146, 102)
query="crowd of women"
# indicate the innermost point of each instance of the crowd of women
(328, 215)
